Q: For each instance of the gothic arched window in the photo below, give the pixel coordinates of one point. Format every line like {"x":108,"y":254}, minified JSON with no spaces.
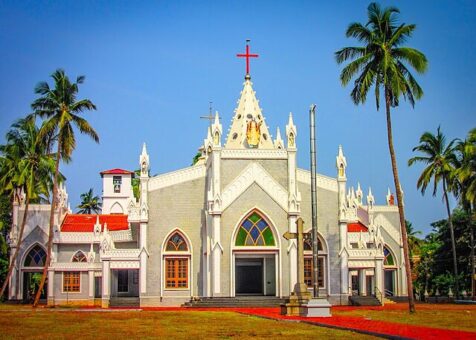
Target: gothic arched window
{"x":308,"y":264}
{"x":255,"y":231}
{"x":388,"y":258}
{"x":176,"y":265}
{"x":176,"y":242}
{"x":36,"y":257}
{"x":79,"y":257}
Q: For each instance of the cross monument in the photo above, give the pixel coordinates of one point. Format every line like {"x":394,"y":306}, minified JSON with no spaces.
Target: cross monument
{"x":247,"y":55}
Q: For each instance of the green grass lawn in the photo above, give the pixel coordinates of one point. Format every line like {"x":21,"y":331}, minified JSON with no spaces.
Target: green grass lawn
{"x":458,"y":317}
{"x":21,"y":322}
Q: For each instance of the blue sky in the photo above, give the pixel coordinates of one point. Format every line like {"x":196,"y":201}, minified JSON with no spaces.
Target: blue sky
{"x":152,"y":68}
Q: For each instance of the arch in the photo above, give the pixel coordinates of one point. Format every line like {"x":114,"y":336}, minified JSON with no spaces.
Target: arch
{"x":35,"y":257}
{"x":177,"y":261}
{"x":389,"y":257}
{"x":116,"y":208}
{"x":322,"y":244}
{"x":254,"y":230}
{"x":182,"y":235}
{"x":79,"y":257}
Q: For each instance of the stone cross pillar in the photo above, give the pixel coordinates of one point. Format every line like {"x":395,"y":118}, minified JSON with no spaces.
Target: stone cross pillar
{"x":300,"y":288}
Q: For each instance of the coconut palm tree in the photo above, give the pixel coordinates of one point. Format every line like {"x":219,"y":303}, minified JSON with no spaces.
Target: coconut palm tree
{"x":89,"y":203}
{"x":25,"y":170}
{"x":382,"y":63}
{"x":440,"y":160}
{"x":60,"y":109}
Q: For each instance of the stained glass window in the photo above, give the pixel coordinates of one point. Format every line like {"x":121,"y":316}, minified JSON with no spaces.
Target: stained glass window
{"x":176,"y":243}
{"x":388,"y":260}
{"x":79,"y":257}
{"x":254,"y":231}
{"x":36,"y":257}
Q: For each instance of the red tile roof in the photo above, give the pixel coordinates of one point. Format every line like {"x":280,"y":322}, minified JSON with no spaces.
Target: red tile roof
{"x":356,"y":227}
{"x":116,"y":172}
{"x":85,"y":223}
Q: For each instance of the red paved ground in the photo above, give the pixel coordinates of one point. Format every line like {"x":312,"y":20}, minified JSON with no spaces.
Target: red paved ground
{"x":359,"y":324}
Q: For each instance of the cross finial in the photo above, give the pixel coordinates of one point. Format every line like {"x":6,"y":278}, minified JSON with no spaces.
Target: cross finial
{"x":247,"y":55}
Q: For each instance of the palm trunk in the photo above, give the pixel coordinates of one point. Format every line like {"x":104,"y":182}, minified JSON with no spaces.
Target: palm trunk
{"x":411,"y":301}
{"x":19,"y":242}
{"x":452,"y":234}
{"x":50,"y":231}
{"x":473,"y":274}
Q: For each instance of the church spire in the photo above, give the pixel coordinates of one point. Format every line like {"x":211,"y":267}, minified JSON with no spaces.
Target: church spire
{"x":248,"y":128}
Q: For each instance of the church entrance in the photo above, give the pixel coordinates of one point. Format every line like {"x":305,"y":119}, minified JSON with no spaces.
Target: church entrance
{"x":255,"y":276}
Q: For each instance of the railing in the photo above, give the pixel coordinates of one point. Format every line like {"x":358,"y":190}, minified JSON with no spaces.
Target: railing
{"x":379,"y":295}
{"x":388,"y":292}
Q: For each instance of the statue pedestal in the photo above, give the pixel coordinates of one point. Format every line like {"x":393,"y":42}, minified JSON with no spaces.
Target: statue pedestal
{"x":301,"y":303}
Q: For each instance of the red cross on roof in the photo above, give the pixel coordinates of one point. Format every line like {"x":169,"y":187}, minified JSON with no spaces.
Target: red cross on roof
{"x":247,"y":55}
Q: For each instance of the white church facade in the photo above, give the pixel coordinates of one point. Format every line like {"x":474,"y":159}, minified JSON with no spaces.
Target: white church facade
{"x":215,"y":229}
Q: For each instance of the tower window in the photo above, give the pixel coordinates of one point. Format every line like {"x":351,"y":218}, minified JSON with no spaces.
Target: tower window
{"x":116,"y":182}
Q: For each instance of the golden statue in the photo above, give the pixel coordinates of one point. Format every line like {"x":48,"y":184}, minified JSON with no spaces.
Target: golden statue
{"x":253,"y":133}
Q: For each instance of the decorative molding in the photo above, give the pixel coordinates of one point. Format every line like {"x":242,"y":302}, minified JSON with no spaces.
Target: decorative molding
{"x":129,"y":254}
{"x":324,"y":182}
{"x":122,"y":235}
{"x":124,"y":265}
{"x":361,"y":264}
{"x":254,"y":154}
{"x":385,"y":208}
{"x":76,"y":266}
{"x":176,"y":177}
{"x":254,"y":173}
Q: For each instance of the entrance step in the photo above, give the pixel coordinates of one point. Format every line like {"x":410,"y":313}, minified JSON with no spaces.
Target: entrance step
{"x":124,"y":302}
{"x":397,"y":298}
{"x":240,"y":301}
{"x":356,"y":300}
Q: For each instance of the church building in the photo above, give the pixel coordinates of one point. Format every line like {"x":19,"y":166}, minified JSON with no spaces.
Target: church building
{"x":215,"y":229}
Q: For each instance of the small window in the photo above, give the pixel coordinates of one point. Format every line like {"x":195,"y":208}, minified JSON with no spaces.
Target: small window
{"x":116,"y":182}
{"x":79,"y":257}
{"x":122,"y":281}
{"x":176,"y":272}
{"x":308,"y":271}
{"x":176,"y":243}
{"x":354,"y":245}
{"x":370,"y":245}
{"x":239,"y":117}
{"x":235,"y":135}
{"x":265,"y":136}
{"x":71,"y":282}
{"x":249,"y":116}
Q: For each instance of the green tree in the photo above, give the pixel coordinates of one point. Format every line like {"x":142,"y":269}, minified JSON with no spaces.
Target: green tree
{"x":382,"y":64}
{"x":89,"y":203}
{"x":440,"y":161}
{"x":26,"y":168}
{"x":60,"y":109}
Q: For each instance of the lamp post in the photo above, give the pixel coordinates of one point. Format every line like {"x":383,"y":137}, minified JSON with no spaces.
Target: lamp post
{"x":315,"y":241}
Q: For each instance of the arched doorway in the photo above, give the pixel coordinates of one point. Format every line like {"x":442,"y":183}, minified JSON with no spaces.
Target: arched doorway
{"x":32,"y":269}
{"x":255,"y":256}
{"x":390,"y":272}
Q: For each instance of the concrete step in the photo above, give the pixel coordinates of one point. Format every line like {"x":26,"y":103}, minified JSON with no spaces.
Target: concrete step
{"x":124,"y":302}
{"x":364,"y":301}
{"x":245,"y":301}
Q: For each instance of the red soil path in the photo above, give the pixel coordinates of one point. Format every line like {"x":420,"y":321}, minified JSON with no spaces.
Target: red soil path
{"x":354,"y":323}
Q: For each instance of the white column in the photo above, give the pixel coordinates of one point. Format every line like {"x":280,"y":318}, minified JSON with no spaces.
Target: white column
{"x":91,"y":284}
{"x":143,"y":258}
{"x":216,"y":271}
{"x":362,"y":282}
{"x":12,"y":285}
{"x":344,"y":273}
{"x":106,"y":284}
{"x":292,"y":254}
{"x":379,"y":276}
{"x":51,"y":280}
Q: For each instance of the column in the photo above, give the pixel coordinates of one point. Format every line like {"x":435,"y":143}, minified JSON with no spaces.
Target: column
{"x":51,"y":280}
{"x":292,"y":254}
{"x":216,"y":269}
{"x":143,"y":258}
{"x":91,"y":285}
{"x":344,"y":273}
{"x":106,"y":284}
{"x":362,"y":282}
